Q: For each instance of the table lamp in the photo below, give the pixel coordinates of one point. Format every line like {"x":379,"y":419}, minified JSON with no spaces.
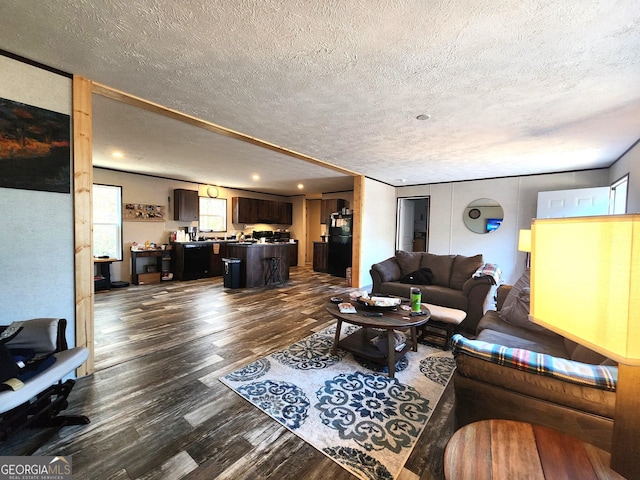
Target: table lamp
{"x":524,"y":245}
{"x":585,"y":285}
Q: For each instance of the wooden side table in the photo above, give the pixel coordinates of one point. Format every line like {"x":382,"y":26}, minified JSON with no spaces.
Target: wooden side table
{"x":504,"y":449}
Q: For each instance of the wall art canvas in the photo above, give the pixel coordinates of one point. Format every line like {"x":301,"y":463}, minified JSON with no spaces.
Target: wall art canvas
{"x":35,"y":151}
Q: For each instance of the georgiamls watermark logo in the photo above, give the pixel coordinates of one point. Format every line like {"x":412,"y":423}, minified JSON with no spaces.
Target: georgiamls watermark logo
{"x":35,"y":468}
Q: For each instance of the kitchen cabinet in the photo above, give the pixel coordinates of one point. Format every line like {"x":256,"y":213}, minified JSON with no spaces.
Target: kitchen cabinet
{"x":293,"y":254}
{"x":285,"y":213}
{"x":253,"y":210}
{"x":218,"y":252}
{"x":267,"y":211}
{"x":185,"y":205}
{"x":244,"y":210}
{"x":320,"y":256}
{"x":330,"y":206}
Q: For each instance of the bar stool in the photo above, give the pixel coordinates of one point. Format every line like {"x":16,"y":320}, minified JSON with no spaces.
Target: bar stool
{"x":274,"y":277}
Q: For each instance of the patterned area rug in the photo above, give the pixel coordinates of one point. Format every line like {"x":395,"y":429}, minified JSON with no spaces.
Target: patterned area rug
{"x":345,"y":407}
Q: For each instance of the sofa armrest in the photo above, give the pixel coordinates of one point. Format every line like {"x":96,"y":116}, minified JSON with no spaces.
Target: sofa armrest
{"x":385,"y":271}
{"x":43,"y":335}
{"x":476,"y":282}
{"x":476,"y":290}
{"x":594,"y":376}
{"x":501,"y":295}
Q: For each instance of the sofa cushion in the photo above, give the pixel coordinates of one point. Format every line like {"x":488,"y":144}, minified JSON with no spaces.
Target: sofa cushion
{"x":434,"y":294}
{"x":515,"y":309}
{"x":463,"y":269}
{"x":409,"y":261}
{"x":580,"y":353}
{"x":553,"y":347}
{"x":596,"y":376}
{"x":424,"y":276}
{"x":441,"y":266}
{"x":492,"y":320}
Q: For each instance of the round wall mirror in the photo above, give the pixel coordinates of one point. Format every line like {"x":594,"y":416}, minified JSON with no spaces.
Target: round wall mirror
{"x":483,"y":215}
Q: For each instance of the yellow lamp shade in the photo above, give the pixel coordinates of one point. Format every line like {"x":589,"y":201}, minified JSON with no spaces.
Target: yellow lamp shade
{"x":585,"y":282}
{"x":524,"y":240}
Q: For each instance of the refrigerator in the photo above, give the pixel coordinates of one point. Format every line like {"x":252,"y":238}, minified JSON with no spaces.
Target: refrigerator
{"x":340,"y":244}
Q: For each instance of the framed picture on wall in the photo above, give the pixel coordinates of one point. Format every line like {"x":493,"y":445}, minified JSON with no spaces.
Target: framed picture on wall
{"x":35,"y":151}
{"x":143,"y":212}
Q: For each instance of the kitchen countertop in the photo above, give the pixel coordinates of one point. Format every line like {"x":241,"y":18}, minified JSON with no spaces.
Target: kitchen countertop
{"x":235,"y":242}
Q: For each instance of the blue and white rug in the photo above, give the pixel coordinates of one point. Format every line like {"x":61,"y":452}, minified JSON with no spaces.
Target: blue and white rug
{"x":350,"y":411}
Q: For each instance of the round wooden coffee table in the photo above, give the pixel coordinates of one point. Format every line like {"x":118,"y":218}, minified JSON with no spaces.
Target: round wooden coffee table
{"x":359,"y":342}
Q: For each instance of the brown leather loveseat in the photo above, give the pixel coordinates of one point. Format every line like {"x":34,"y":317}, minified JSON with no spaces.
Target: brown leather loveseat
{"x":452,"y":284}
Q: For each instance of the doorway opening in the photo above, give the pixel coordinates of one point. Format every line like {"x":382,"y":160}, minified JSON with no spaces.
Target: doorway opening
{"x":412,"y":224}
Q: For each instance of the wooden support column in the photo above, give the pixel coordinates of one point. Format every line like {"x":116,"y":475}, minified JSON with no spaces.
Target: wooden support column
{"x":82,"y":195}
{"x":358,"y":202}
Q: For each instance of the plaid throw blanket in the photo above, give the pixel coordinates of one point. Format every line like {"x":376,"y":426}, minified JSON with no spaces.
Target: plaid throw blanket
{"x":597,"y":376}
{"x":489,"y":270}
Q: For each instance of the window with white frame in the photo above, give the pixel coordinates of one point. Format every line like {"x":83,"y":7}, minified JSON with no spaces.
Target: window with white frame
{"x":107,"y":221}
{"x":213,"y":214}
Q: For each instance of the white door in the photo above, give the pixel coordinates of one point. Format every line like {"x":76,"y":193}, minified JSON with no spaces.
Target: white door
{"x":406,"y":214}
{"x":579,"y":202}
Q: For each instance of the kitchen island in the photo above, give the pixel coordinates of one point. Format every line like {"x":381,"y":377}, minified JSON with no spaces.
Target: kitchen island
{"x":255,"y":260}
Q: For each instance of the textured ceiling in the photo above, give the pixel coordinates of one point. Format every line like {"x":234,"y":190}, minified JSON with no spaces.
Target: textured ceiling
{"x":513,"y":87}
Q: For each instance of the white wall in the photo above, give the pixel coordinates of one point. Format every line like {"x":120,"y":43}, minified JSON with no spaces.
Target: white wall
{"x":158,"y":191}
{"x":629,"y":164}
{"x":518,"y":198}
{"x":378,"y":227}
{"x":37,"y":260}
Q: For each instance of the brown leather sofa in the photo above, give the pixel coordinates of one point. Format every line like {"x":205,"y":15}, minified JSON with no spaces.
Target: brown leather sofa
{"x":452,"y":285}
{"x":487,"y":390}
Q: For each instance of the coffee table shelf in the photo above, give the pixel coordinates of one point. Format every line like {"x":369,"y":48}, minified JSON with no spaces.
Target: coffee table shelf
{"x":359,"y":342}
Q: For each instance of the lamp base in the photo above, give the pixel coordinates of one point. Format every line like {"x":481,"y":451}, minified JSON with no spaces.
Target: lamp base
{"x":626,"y":424}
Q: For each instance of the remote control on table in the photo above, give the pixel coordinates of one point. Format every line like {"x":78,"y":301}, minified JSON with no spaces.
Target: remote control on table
{"x":373,"y":314}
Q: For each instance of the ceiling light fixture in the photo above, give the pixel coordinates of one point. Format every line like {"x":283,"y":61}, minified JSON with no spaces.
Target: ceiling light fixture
{"x":117,"y":154}
{"x":256,"y":177}
{"x":423,"y":116}
{"x":300,"y":186}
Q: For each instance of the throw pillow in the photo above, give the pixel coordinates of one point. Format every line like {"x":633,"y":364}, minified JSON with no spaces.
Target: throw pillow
{"x":409,"y":261}
{"x":424,"y":276}
{"x":440,"y":265}
{"x":463,"y":269}
{"x":515,"y":309}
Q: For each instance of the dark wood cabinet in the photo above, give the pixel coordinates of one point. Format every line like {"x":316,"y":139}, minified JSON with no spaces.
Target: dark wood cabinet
{"x":252,"y":210}
{"x":285,"y":213}
{"x":218,"y":252}
{"x":185,"y":205}
{"x":293,"y":254}
{"x":330,"y":206}
{"x":267,"y":211}
{"x":244,"y":210}
{"x":320,"y":256}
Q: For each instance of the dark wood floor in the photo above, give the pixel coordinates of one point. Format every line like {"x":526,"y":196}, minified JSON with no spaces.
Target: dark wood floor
{"x":157,"y":408}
